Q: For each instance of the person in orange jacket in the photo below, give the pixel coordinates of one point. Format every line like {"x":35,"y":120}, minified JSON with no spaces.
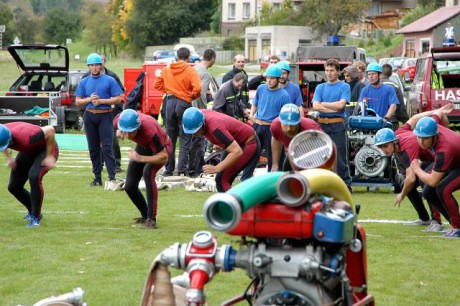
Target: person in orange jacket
{"x":181,"y":84}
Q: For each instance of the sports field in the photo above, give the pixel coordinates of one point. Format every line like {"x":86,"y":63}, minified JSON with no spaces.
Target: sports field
{"x":86,"y":240}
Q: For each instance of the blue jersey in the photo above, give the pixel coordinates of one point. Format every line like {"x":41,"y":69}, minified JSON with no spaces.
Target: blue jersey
{"x":294,"y":93}
{"x":269,"y":102}
{"x":104,"y":86}
{"x":332,"y":92}
{"x":379,"y":99}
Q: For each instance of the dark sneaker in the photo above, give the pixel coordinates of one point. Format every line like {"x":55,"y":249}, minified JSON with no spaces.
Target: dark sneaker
{"x":27,"y":217}
{"x":118,"y":170}
{"x":150,"y":223}
{"x":140,"y":220}
{"x":95,"y":183}
{"x":33,"y":222}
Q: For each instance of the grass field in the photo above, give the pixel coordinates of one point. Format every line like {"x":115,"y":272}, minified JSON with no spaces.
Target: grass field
{"x":86,"y":240}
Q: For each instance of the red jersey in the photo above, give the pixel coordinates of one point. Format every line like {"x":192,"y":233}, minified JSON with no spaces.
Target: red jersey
{"x":221,"y":129}
{"x":409,"y":148}
{"x":27,"y":138}
{"x":446,"y":149}
{"x":305,"y":124}
{"x":150,"y":133}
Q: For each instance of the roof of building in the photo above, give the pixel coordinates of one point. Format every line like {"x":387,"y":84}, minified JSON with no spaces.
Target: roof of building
{"x":431,"y":20}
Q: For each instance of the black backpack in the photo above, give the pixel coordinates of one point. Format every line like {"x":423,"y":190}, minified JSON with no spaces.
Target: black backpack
{"x":134,"y":97}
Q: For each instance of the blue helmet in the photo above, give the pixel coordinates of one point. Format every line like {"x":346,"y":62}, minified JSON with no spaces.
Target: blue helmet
{"x":426,"y":127}
{"x":290,"y":114}
{"x":273,"y":71}
{"x":374,"y":67}
{"x":5,"y":137}
{"x":129,"y":121}
{"x":94,"y":59}
{"x":192,"y":120}
{"x":384,"y":136}
{"x":284,"y":65}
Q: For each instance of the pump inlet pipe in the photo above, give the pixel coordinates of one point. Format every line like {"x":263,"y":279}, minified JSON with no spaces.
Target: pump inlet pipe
{"x":295,"y":188}
{"x":222,"y":211}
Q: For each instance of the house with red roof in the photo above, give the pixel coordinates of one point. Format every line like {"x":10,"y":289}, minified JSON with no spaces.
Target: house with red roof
{"x":431,"y":31}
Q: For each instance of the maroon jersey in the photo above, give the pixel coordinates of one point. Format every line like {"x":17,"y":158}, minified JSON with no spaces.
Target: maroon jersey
{"x":27,"y":138}
{"x":150,"y":133}
{"x":221,"y":129}
{"x":446,"y":149}
{"x":305,"y":124}
{"x":409,"y":148}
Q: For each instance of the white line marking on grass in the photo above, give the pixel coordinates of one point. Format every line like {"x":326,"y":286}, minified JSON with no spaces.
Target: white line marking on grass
{"x":190,"y":216}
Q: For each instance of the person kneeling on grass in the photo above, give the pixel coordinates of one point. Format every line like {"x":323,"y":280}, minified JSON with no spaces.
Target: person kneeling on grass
{"x":238,"y":139}
{"x":151,"y":153}
{"x":37,"y":154}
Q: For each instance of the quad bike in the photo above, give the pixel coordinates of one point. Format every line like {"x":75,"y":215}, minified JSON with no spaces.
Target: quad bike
{"x":301,"y":243}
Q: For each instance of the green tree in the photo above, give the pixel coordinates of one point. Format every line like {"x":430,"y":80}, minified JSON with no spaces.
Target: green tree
{"x":41,"y":7}
{"x":102,"y":30}
{"x":330,"y":16}
{"x":165,"y":21}
{"x":61,"y":24}
{"x":418,"y":12}
{"x":7,"y":19}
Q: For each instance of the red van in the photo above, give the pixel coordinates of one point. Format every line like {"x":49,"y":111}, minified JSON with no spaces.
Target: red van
{"x":436,"y":82}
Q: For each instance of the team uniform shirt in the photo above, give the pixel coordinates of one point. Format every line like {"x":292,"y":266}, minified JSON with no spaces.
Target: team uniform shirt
{"x":150,"y":134}
{"x":294,"y":93}
{"x":222,"y":130}
{"x":332,"y":92}
{"x":305,"y":124}
{"x":379,"y":99}
{"x":26,"y":138}
{"x":409,"y":148}
{"x":269,"y":102}
{"x":446,"y":150}
{"x":103,"y":85}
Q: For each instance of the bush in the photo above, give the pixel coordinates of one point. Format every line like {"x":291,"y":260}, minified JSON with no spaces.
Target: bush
{"x":233,"y":43}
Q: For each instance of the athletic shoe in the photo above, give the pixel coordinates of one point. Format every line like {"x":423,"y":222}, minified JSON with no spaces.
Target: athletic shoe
{"x":453,"y":233}
{"x":150,"y":223}
{"x":140,"y":220}
{"x":34,"y":222}
{"x":434,"y":227}
{"x":27,"y":217}
{"x":417,"y":223}
{"x":95,"y":183}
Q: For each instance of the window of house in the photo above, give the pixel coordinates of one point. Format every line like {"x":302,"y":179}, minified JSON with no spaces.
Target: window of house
{"x":410,"y":48}
{"x":424,"y":45}
{"x":231,"y":10}
{"x":246,"y":10}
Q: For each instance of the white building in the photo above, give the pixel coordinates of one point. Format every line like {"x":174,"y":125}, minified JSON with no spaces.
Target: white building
{"x":278,"y":40}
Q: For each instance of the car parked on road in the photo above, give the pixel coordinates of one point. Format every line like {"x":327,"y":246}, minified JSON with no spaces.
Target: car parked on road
{"x":395,"y":62}
{"x":407,"y":69}
{"x":167,"y":56}
{"x":46,"y":70}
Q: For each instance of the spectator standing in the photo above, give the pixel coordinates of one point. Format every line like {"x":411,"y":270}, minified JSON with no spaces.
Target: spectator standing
{"x":151,"y":153}
{"x":37,"y":154}
{"x":228,"y":98}
{"x":240,"y":142}
{"x":260,"y":79}
{"x":444,"y":178}
{"x":401,"y":111}
{"x":403,"y":145}
{"x":238,"y":66}
{"x":181,"y":84}
{"x":117,"y":109}
{"x":380,"y":97}
{"x":98,"y":93}
{"x":292,"y":89}
{"x":289,"y":123}
{"x":351,"y":76}
{"x":196,"y":159}
{"x":330,"y":99}
{"x":267,"y":104}
{"x":361,"y":71}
